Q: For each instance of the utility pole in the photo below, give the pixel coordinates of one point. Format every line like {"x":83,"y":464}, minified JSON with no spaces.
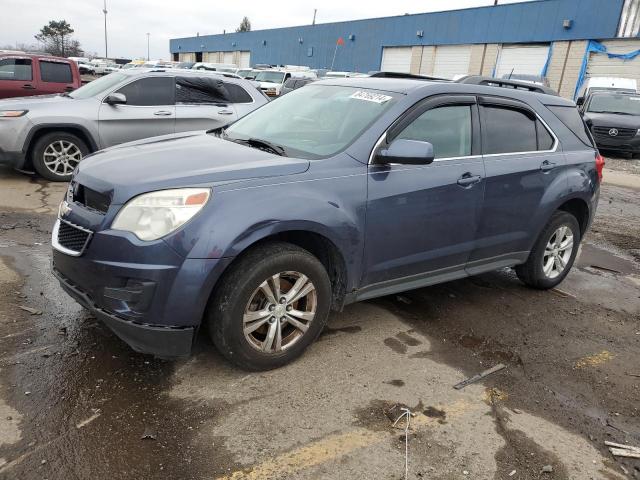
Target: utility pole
{"x":148,"y":34}
{"x":106,"y":49}
{"x":315,"y":10}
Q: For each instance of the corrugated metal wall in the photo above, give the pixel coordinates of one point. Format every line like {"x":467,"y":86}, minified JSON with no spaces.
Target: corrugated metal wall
{"x":313,"y":45}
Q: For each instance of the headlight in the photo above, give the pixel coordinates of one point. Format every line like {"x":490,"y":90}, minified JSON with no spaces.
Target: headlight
{"x":12,"y":113}
{"x":153,"y":215}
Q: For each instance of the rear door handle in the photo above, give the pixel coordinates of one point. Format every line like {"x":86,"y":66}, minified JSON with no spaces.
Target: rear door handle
{"x":467,"y":179}
{"x":28,"y":87}
{"x":547,"y":166}
{"x":162,"y":113}
{"x":225,"y":112}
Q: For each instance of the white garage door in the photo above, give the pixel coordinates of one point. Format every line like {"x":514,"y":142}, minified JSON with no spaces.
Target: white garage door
{"x":396,"y":59}
{"x":600,"y":65}
{"x":452,"y":60}
{"x":228,"y":57}
{"x":522,"y":59}
{"x":245,"y":60}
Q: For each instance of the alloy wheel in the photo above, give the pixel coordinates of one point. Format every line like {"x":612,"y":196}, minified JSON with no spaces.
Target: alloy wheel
{"x":558,"y":251}
{"x":279,"y":312}
{"x":62,"y":157}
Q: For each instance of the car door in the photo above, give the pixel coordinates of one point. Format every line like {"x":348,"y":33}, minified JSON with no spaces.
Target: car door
{"x":202,"y":103}
{"x":149,"y":111}
{"x":522,"y":160}
{"x":55,"y":76}
{"x":17,"y":77}
{"x":421,"y":219}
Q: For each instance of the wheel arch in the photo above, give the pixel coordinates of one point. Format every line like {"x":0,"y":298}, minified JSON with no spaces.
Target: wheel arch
{"x":40,"y":130}
{"x":579,"y":208}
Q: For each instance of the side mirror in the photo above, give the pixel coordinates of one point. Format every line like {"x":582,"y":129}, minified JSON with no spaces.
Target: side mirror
{"x":115,"y":99}
{"x":408,"y":152}
{"x":580,"y":101}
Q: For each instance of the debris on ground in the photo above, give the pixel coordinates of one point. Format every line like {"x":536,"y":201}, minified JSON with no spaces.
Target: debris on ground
{"x":84,"y":423}
{"x":621,"y":450}
{"x":562,"y":293}
{"x":512,"y":473}
{"x":149,"y":434}
{"x":32,"y":311}
{"x":547,"y":469}
{"x":394,"y":412}
{"x":594,"y":360}
{"x":403,"y":299}
{"x":605,"y":269}
{"x":479,"y":376}
{"x":634,"y":374}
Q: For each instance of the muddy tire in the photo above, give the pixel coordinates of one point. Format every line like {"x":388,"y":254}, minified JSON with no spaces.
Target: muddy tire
{"x":55,"y":155}
{"x":270,"y":306}
{"x":553,"y":254}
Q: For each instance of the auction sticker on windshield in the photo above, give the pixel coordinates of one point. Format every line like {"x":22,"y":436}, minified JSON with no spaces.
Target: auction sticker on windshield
{"x":371,"y":97}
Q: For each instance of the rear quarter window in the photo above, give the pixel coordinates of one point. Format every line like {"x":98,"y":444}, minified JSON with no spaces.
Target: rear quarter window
{"x":574,"y":122}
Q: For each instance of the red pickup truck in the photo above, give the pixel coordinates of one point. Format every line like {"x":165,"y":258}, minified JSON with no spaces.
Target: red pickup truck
{"x":24,"y":74}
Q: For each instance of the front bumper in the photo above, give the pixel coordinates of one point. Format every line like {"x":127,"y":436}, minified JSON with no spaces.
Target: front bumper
{"x":628,"y":145}
{"x":12,"y":159}
{"x":155,"y":340}
{"x":151,"y":297}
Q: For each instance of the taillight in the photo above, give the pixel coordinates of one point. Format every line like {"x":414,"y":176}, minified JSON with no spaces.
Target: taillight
{"x":599,"y":165}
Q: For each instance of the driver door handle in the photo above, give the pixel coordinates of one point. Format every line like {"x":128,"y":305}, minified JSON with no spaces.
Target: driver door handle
{"x":162,"y":113}
{"x":467,"y":180}
{"x":28,"y":87}
{"x":547,"y":166}
{"x":225,"y":112}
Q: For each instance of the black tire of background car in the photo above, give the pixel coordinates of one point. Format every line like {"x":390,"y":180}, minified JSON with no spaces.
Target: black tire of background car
{"x":530,"y":272}
{"x":41,"y":144}
{"x":227,"y":305}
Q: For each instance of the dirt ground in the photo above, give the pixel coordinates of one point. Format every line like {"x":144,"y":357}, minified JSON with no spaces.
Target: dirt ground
{"x":77,"y":403}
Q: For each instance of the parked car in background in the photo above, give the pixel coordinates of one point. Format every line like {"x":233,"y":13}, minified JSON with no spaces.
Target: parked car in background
{"x":615,"y":84}
{"x":216,"y":67}
{"x":614,"y":120}
{"x":341,"y":191}
{"x":53,"y":134}
{"x":332,"y":74}
{"x":86,"y":68}
{"x":248,"y":73}
{"x":185,"y":65}
{"x":79,"y":59}
{"x":271,"y":81}
{"x":24,"y":75}
{"x":294,"y":83}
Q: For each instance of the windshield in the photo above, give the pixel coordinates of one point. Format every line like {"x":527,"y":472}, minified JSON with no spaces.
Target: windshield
{"x":624,"y":104}
{"x":271,"y":77}
{"x":315,"y":121}
{"x":98,"y":86}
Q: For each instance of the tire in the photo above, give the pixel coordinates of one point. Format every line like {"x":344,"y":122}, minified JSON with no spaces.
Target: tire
{"x":50,"y":148}
{"x":532,"y":272}
{"x":240,"y":299}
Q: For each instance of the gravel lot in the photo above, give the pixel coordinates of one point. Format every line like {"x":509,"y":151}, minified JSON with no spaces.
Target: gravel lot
{"x":76,"y":403}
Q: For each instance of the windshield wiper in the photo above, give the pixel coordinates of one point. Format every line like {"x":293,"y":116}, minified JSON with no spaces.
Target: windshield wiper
{"x":262,"y":145}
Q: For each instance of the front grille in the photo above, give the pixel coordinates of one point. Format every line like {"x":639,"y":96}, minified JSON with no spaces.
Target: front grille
{"x":89,"y":198}
{"x":623,"y":133}
{"x":72,"y":237}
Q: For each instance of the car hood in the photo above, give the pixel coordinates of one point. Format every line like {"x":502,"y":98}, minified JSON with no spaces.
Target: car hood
{"x":174,"y":161}
{"x":613,"y":120}
{"x":22,"y":103}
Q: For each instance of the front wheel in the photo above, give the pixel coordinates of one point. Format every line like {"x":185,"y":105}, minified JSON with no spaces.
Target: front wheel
{"x":553,"y":254}
{"x":271,"y":305}
{"x":57,"y":154}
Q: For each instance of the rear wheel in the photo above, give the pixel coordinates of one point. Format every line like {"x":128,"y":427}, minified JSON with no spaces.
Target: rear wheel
{"x":271,"y":305}
{"x":553,"y":254}
{"x":57,"y":154}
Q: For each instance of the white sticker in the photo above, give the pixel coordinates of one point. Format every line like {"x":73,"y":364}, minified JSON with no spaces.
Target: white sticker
{"x":371,"y":97}
{"x":635,"y":99}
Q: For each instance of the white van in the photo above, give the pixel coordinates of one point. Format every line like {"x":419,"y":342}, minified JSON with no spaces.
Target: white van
{"x":271,"y":81}
{"x":617,"y":84}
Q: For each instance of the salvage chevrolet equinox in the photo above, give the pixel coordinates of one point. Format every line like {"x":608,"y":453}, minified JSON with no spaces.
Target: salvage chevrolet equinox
{"x":341,"y":191}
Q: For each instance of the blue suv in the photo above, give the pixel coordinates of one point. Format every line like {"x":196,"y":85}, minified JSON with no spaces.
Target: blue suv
{"x":341,"y":191}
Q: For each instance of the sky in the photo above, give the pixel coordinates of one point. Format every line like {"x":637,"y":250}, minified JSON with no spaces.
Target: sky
{"x":128,"y":21}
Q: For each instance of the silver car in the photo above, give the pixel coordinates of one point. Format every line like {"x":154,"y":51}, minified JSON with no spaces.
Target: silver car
{"x":51,"y":134}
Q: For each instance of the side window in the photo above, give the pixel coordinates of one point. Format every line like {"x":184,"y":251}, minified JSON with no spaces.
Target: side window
{"x":508,"y":130}
{"x":149,"y":92}
{"x":201,"y":90}
{"x":448,"y":129}
{"x":16,"y":69}
{"x":545,"y":140}
{"x":237,"y":94}
{"x":55,"y":72}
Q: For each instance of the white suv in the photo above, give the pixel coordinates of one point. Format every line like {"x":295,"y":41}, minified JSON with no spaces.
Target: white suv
{"x":271,"y":81}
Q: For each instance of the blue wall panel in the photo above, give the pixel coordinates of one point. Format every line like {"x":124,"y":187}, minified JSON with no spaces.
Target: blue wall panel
{"x":536,"y":21}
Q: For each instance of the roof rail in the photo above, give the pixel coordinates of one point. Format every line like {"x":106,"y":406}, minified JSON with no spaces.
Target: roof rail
{"x":505,"y":83}
{"x":407,"y":75}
